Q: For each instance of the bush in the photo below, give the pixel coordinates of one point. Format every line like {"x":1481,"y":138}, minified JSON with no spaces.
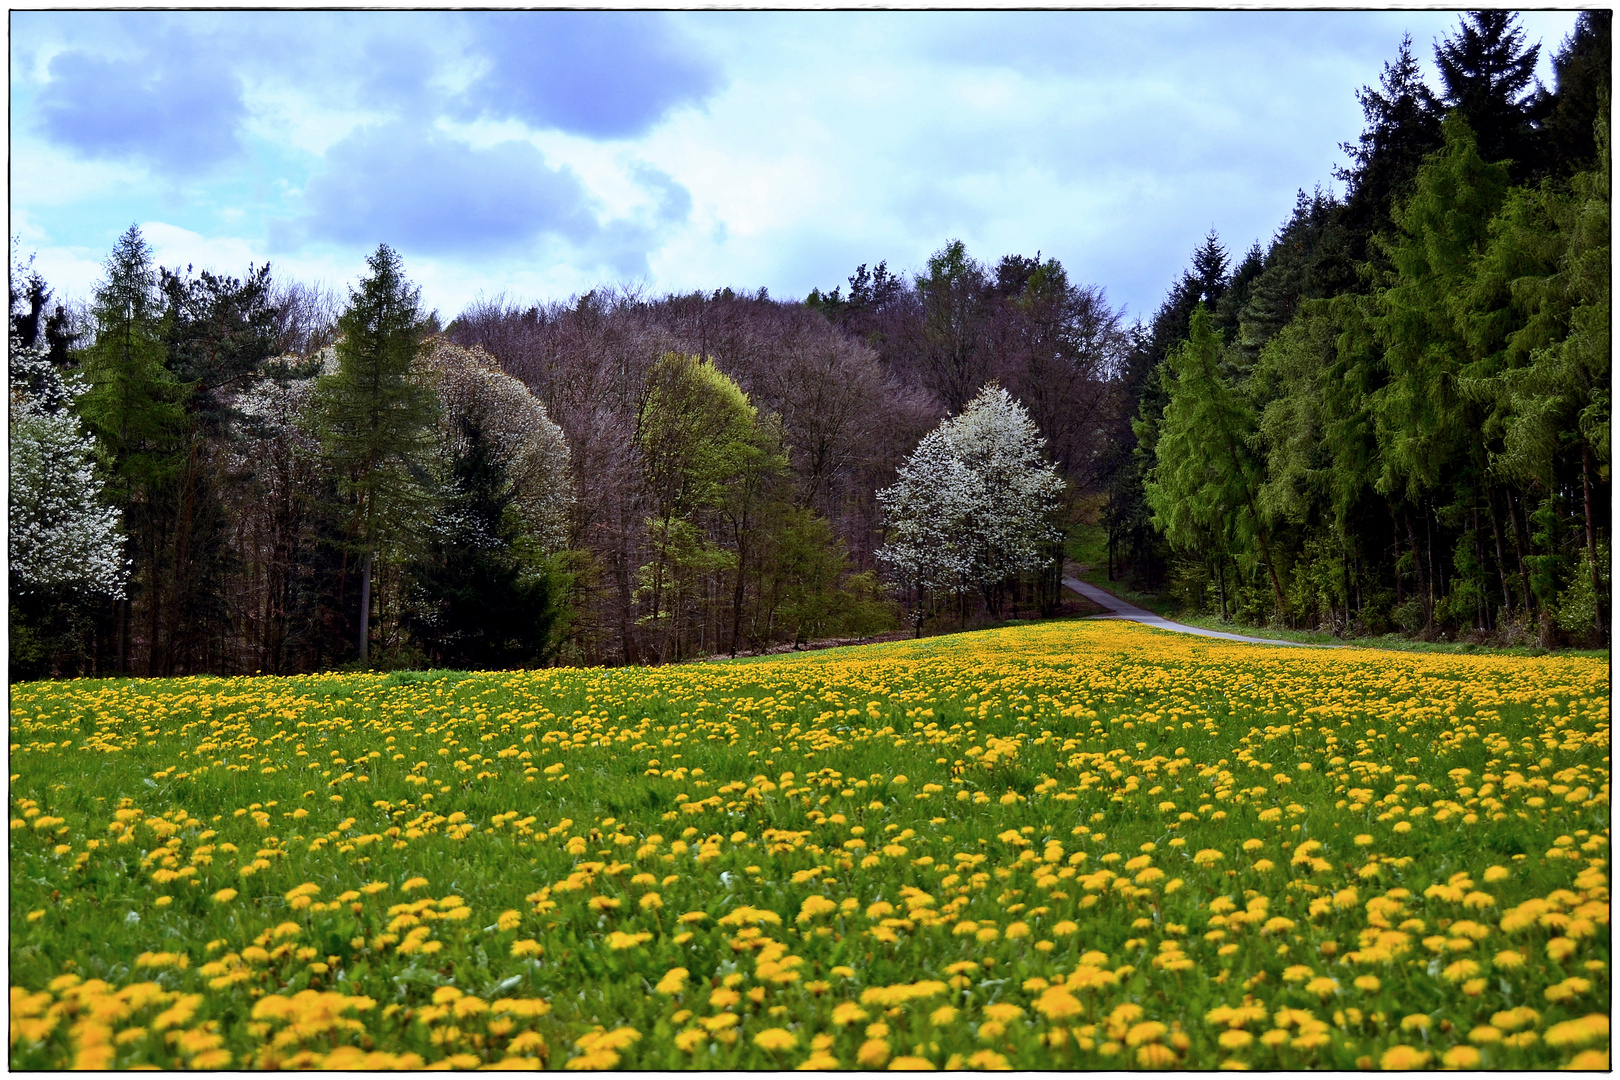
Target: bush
{"x":1409,"y":615}
{"x":1576,"y":611}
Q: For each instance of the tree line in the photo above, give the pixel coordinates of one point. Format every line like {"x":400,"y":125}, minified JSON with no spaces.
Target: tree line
{"x":224,"y":474}
{"x":1396,"y":416}
{"x":273,"y":479}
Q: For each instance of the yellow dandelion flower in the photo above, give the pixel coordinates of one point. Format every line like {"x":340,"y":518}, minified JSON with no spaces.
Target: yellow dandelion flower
{"x":1461,"y":1057}
{"x":776,"y":1039}
{"x":910,"y":1063}
{"x":873,"y":1053}
{"x":1401,"y":1057}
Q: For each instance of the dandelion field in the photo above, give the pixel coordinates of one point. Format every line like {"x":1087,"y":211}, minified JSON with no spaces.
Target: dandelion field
{"x":1072,"y":845}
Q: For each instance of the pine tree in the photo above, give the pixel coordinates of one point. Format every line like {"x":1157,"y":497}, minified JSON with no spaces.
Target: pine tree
{"x":1302,"y":264}
{"x":1488,"y":75}
{"x":1424,"y":427}
{"x":375,"y":421}
{"x":133,"y":406}
{"x":1402,"y":128}
{"x":1558,"y":403}
{"x":1568,"y":114}
{"x":1204,"y":482}
{"x":472,"y":601}
{"x":132,"y":400}
{"x":219,"y":332}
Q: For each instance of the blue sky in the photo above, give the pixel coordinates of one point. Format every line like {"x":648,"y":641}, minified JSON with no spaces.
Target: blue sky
{"x":540,"y":154}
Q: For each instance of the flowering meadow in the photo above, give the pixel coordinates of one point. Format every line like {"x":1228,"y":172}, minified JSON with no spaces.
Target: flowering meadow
{"x":1072,"y":845}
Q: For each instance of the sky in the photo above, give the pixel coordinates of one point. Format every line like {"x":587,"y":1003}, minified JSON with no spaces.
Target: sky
{"x":537,"y":155}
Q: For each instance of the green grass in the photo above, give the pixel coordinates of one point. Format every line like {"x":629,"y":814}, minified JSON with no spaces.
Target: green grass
{"x":977,"y":817}
{"x":1397,"y":642}
{"x":1088,"y":545}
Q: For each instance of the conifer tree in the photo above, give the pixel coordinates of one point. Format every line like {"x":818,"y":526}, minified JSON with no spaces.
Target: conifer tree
{"x":133,"y":407}
{"x":1569,"y":113}
{"x":473,"y":603}
{"x":375,"y":421}
{"x":1402,"y":127}
{"x":1205,"y":479}
{"x":1423,"y":425}
{"x":1488,"y":72}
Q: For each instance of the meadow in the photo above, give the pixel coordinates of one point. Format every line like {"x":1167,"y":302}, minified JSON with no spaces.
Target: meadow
{"x":1069,"y":845}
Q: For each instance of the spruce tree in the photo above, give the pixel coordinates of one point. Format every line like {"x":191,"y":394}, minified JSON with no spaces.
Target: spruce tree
{"x":1402,"y":127}
{"x":375,"y":421}
{"x":1205,"y":479}
{"x":1425,"y":427}
{"x":1567,"y":115}
{"x":1488,"y":74}
{"x":472,"y":602}
{"x":133,"y":407}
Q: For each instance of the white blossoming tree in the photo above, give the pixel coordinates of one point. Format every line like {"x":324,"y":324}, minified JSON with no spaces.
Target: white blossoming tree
{"x":527,"y":442}
{"x":65,"y":544}
{"x":974,"y":504}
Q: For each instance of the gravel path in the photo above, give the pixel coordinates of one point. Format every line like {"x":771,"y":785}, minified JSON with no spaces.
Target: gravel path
{"x":1120,"y":609}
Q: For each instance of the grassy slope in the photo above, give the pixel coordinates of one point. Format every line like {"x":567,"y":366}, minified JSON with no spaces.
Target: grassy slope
{"x":1058,"y":764}
{"x":1088,"y":545}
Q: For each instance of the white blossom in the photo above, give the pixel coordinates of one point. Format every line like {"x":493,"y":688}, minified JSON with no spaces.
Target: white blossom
{"x":973,"y":504}
{"x":63,"y":537}
{"x":532,"y":448}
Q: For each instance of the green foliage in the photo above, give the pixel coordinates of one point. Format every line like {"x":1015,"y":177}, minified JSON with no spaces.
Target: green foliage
{"x":1429,"y":445}
{"x":1577,"y":609}
{"x":1423,"y":419}
{"x":702,"y":451}
{"x":807,"y":588}
{"x":695,"y":430}
{"x":473,"y":603}
{"x":374,"y":420}
{"x":1562,"y":393}
{"x":132,"y":401}
{"x":1197,"y":488}
{"x":1202,"y":487}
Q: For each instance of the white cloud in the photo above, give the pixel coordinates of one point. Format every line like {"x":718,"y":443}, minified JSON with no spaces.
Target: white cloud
{"x":1112,"y":141}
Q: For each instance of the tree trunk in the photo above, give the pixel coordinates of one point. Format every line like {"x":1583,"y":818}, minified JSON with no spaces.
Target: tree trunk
{"x":1361,"y":605}
{"x":182,"y":559}
{"x":1265,"y":552}
{"x":1437,"y":585}
{"x":1599,"y":612}
{"x":1501,"y":556}
{"x":1345,"y":555}
{"x":1521,"y":541}
{"x":1220,"y":580}
{"x":740,"y":534}
{"x":365,"y":609}
{"x":1417,"y":562}
{"x":154,"y":575}
{"x":737,"y":603}
{"x":1400,"y":584}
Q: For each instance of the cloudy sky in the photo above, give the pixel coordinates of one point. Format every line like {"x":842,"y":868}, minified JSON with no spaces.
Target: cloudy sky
{"x":540,"y":154}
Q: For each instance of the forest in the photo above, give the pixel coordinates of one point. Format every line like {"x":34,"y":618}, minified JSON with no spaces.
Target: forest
{"x":1393,"y":416}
